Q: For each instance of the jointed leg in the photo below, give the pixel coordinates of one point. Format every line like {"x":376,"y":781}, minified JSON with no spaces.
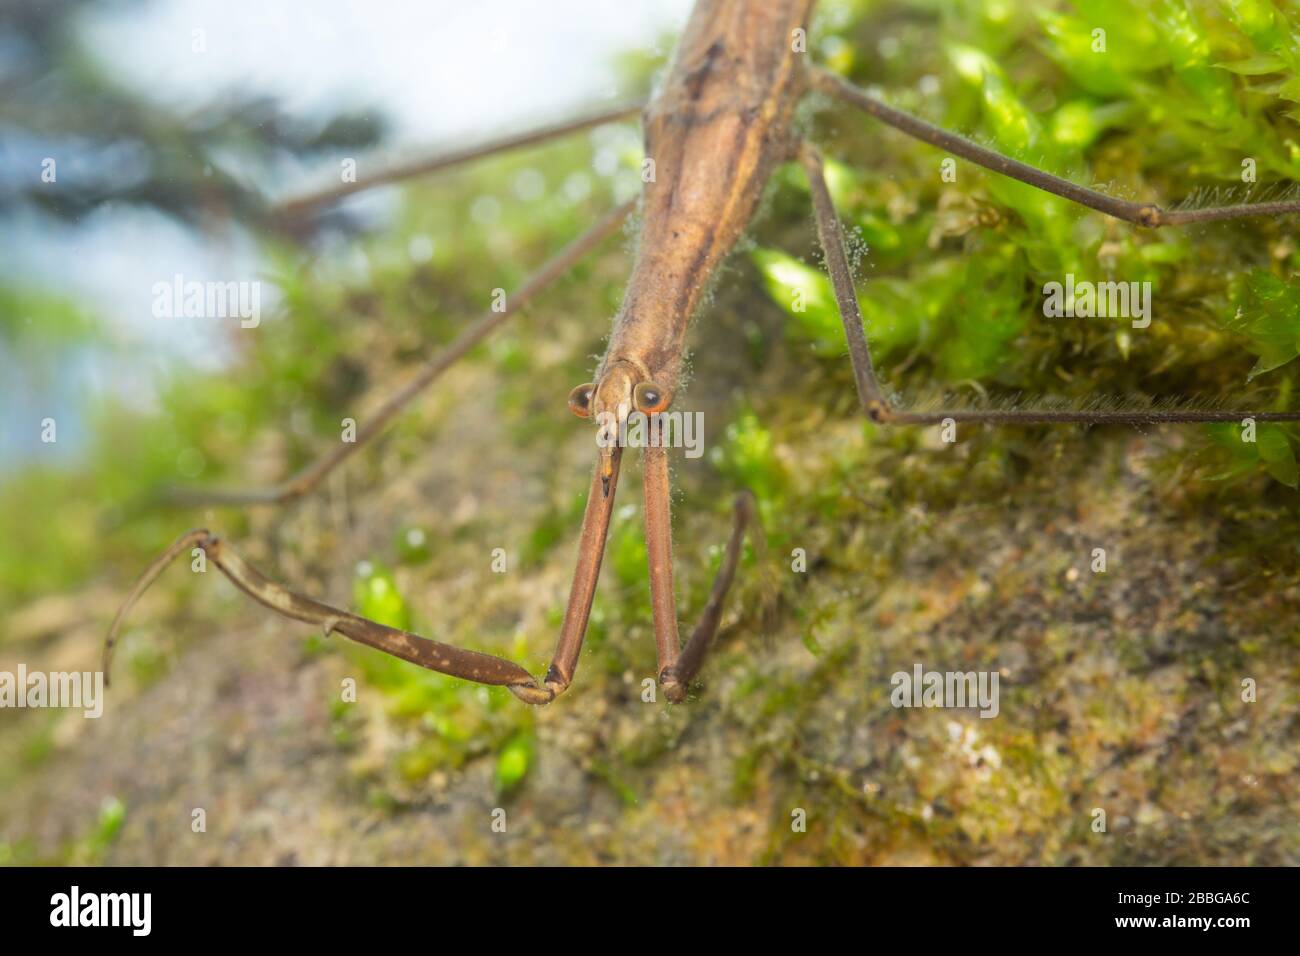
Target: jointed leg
{"x":469,"y":665}
{"x":688,"y":665}
{"x":1032,"y":416}
{"x":1144,"y":214}
{"x":591,"y":552}
{"x":303,"y":205}
{"x":456,"y":661}
{"x":473,"y":334}
{"x":678,"y":665}
{"x":659,"y":556}
{"x":878,"y":408}
{"x":874,"y":404}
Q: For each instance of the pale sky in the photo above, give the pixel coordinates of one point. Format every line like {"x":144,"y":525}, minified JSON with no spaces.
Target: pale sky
{"x":441,"y":68}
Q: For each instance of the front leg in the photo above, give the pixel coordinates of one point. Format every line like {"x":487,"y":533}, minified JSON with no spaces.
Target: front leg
{"x":678,"y":665}
{"x":434,"y":655}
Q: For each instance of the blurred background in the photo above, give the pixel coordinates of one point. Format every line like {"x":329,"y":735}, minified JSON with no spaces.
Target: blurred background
{"x":176,"y":123}
{"x":142,"y":140}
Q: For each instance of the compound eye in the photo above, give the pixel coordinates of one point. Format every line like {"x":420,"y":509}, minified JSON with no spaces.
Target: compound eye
{"x":649,"y":398}
{"x":580,"y":399}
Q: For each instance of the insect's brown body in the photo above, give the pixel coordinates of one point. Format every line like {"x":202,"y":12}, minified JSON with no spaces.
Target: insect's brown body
{"x":715,"y":132}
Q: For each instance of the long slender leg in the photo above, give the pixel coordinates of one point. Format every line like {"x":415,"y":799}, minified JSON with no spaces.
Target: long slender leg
{"x":878,"y":409}
{"x":444,"y":658}
{"x":871,"y":398}
{"x":458,"y":662}
{"x":299,"y":206}
{"x":659,"y":556}
{"x":677,"y":669}
{"x":1144,"y":214}
{"x":1031,"y":416}
{"x":307,"y":479}
{"x":591,"y":551}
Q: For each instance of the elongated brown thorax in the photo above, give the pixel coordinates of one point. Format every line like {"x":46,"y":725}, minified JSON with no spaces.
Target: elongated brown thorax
{"x":715,"y":132}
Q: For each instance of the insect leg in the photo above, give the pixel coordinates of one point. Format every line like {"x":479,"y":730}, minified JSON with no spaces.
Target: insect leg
{"x":1144,"y":214}
{"x":877,"y":408}
{"x":458,"y":662}
{"x":873,"y":402}
{"x":300,"y":206}
{"x":307,"y":479}
{"x":678,"y":668}
{"x":591,"y":552}
{"x":1031,"y":416}
{"x":434,"y":655}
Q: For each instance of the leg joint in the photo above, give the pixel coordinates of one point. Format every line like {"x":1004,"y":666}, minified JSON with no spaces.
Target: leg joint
{"x":533,"y":693}
{"x":1150,"y":216}
{"x":674,"y":688}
